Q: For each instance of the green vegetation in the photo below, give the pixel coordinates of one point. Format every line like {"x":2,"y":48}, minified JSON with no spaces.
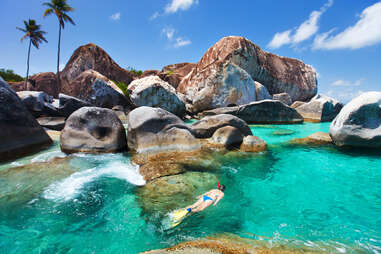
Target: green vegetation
{"x":60,"y":8}
{"x":170,"y":72}
{"x":122,"y":86}
{"x":35,"y":35}
{"x":136,"y":72}
{"x":10,"y":76}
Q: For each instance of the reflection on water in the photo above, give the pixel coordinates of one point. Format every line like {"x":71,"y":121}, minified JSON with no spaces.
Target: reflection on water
{"x":325,"y":198}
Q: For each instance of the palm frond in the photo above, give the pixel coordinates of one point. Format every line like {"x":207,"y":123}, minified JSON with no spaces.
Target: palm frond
{"x":48,"y":12}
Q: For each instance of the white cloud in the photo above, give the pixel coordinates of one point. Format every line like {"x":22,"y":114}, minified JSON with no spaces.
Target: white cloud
{"x":176,"y":5}
{"x":341,"y":82}
{"x":305,"y":31}
{"x":181,"y":42}
{"x":115,"y":16}
{"x":154,"y":16}
{"x":168,"y":32}
{"x":344,"y":95}
{"x":366,"y":32}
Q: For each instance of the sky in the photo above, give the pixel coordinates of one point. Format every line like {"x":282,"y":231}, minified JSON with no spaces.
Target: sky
{"x":341,"y":39}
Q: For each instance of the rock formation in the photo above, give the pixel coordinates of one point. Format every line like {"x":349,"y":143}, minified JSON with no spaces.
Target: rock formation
{"x":153,"y":92}
{"x":283,"y":97}
{"x":315,"y":139}
{"x":359,"y":122}
{"x":44,"y":81}
{"x":261,"y":112}
{"x":174,"y":73}
{"x":242,"y":58}
{"x":20,"y":133}
{"x":253,"y":144}
{"x":93,"y":130}
{"x":38,"y":103}
{"x":261,"y":92}
{"x":68,"y":104}
{"x":321,"y":108}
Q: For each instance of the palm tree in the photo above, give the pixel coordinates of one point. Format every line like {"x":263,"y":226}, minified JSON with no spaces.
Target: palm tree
{"x":36,"y":36}
{"x":60,"y":8}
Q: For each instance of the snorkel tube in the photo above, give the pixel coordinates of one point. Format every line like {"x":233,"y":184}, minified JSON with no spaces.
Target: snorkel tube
{"x":218,"y":184}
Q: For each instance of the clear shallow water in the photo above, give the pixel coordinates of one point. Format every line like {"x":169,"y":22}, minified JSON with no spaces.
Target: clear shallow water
{"x":321,"y":197}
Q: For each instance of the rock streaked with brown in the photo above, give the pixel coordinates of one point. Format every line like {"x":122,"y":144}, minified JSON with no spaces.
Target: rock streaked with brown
{"x":278,"y":74}
{"x":91,"y":56}
{"x":44,"y":81}
{"x":174,"y":73}
{"x":283,"y":97}
{"x":253,"y":144}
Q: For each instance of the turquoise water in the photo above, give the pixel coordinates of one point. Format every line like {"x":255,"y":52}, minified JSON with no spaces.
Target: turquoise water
{"x":323,"y":197}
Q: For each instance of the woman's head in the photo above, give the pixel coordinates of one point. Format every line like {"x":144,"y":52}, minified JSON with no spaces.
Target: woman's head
{"x":221,"y":187}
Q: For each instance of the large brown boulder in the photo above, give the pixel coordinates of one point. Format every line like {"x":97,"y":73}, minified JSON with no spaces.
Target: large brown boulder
{"x":93,"y":130}
{"x":174,"y":73}
{"x":20,"y":132}
{"x":154,"y":92}
{"x":277,"y":74}
{"x":93,"y":57}
{"x":44,"y":81}
{"x":261,"y":112}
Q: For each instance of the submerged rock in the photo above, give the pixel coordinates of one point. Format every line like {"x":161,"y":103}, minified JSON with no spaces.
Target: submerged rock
{"x":283,"y":97}
{"x":20,"y":132}
{"x":205,"y":127}
{"x":359,"y":122}
{"x":38,"y":103}
{"x":261,"y":112}
{"x":153,"y":92}
{"x":93,"y":130}
{"x":318,"y":138}
{"x":321,"y":108}
{"x":156,"y":130}
{"x":221,"y":77}
{"x":164,"y":194}
{"x":253,"y":144}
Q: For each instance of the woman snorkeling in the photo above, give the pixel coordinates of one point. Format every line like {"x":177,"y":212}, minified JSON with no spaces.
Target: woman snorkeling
{"x":208,"y":198}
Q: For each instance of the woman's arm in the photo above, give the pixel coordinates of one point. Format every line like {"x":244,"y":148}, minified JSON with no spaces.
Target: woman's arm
{"x":218,"y":199}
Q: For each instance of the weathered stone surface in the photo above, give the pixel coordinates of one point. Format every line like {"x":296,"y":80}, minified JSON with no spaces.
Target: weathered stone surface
{"x":68,"y":104}
{"x":221,"y":85}
{"x":44,"y":81}
{"x":359,"y":122}
{"x":253,"y":144}
{"x":321,"y":108}
{"x":38,"y":103}
{"x":174,"y":73}
{"x":261,"y":92}
{"x":164,"y":194}
{"x":148,"y":73}
{"x":277,"y":74}
{"x":93,"y":130}
{"x":20,"y":132}
{"x":261,"y":112}
{"x":317,"y":138}
{"x":154,"y":129}
{"x":153,"y":92}
{"x":227,"y":137}
{"x":88,"y":57}
{"x":283,"y":97}
{"x":206,"y":127}
{"x":52,"y":123}
{"x":297,"y":104}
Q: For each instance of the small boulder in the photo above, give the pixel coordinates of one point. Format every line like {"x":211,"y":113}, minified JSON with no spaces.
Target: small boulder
{"x":38,"y":103}
{"x":227,"y":137}
{"x":20,"y":132}
{"x":359,"y":122}
{"x":93,"y":130}
{"x":261,"y":112}
{"x":153,"y":92}
{"x":253,"y":144}
{"x":107,"y":95}
{"x":156,"y":130}
{"x":206,"y":127}
{"x":318,"y":138}
{"x":321,"y":108}
{"x":68,"y":104}
{"x":261,"y":92}
{"x":52,"y":123}
{"x":283,"y":97}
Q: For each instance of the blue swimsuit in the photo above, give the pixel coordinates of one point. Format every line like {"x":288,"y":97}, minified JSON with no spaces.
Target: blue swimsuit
{"x":205,"y":198}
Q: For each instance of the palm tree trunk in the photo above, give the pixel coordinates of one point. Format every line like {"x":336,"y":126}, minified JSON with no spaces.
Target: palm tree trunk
{"x":27,"y":64}
{"x":58,"y":56}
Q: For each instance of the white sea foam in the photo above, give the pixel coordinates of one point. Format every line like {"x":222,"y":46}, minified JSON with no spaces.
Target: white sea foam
{"x":70,"y":187}
{"x":48,"y":156}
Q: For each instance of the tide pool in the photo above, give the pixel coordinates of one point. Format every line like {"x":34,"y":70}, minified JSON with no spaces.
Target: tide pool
{"x":321,"y":197}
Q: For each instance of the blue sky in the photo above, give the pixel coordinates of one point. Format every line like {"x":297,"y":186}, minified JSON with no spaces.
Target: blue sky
{"x":341,"y":39}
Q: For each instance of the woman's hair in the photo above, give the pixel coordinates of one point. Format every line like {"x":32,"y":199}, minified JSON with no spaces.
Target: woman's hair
{"x":221,"y":187}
